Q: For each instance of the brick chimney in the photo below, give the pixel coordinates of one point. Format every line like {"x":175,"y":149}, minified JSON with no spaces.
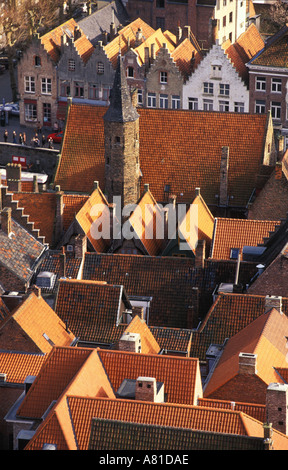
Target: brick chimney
{"x":13,"y":177}
{"x":139,"y":37}
{"x":80,"y":246}
{"x":276,"y":406}
{"x":200,"y":253}
{"x":6,"y":220}
{"x":273,"y":301}
{"x":62,"y":259}
{"x":130,"y":342}
{"x":35,"y":184}
{"x":247,"y":363}
{"x":59,"y":214}
{"x":224,"y":165}
{"x":278,"y":171}
{"x":146,"y":390}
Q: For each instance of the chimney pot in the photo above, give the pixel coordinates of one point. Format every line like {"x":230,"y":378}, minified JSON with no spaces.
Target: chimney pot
{"x":273,"y":301}
{"x":6,"y":220}
{"x":247,"y":363}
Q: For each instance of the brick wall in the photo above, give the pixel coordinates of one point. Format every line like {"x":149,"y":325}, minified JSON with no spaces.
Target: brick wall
{"x":245,"y":388}
{"x":12,"y":337}
{"x":8,"y":396}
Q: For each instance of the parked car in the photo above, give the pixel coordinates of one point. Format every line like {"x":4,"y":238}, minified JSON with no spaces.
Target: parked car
{"x":15,"y":109}
{"x":56,"y":137}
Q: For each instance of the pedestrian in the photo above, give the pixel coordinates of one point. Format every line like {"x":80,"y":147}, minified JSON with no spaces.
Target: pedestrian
{"x":14,"y":137}
{"x":36,"y":141}
{"x":24,"y":138}
{"x":50,"y":143}
{"x":20,"y":139}
{"x":5,"y":135}
{"x":43,"y":140}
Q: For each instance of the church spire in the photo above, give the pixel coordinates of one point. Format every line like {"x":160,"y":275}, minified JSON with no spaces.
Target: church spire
{"x":121,"y":108}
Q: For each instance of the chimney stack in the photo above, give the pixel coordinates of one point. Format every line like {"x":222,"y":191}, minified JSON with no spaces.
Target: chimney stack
{"x":179,"y":35}
{"x":80,"y":246}
{"x":278,"y":171}
{"x":146,"y":390}
{"x":13,"y":177}
{"x":6,"y":225}
{"x":247,"y":363}
{"x":59,"y":214}
{"x":35,"y":184}
{"x":224,"y":165}
{"x":63,"y":263}
{"x":200,"y":253}
{"x":276,"y":406}
{"x":213,"y":31}
{"x":273,"y":301}
{"x":280,"y":147}
{"x":130,"y":342}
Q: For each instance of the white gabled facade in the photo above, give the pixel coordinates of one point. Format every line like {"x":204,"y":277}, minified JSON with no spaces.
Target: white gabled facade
{"x":216,"y":85}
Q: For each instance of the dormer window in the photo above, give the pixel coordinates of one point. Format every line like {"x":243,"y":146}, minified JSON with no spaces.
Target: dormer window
{"x":37,"y":61}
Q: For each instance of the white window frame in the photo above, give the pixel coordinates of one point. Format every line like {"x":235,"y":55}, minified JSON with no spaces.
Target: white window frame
{"x":78,"y":89}
{"x":224,"y":106}
{"x":260,"y":84}
{"x":260,"y":107}
{"x":239,"y":107}
{"x":163,"y":101}
{"x":276,"y":110}
{"x":71,"y":65}
{"x":140,"y":96}
{"x":208,"y":88}
{"x":29,"y":82}
{"x":224,"y":89}
{"x":46,"y":86}
{"x":193,"y":104}
{"x":208,"y":105}
{"x":276,"y":85}
{"x":151,"y":100}
{"x":30,"y":111}
{"x":176,"y":102}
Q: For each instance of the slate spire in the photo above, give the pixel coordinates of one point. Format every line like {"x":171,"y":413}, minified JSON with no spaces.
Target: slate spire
{"x":121,"y":108}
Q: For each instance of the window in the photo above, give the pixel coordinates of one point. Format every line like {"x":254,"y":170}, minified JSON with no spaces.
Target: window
{"x":224,"y":21}
{"x":163,"y":101}
{"x":46,"y":113}
{"x":175,"y":102}
{"x":224,"y":106}
{"x":208,"y":88}
{"x":79,"y":90}
{"x":234,"y":252}
{"x":151,"y":100}
{"x":29,"y":84}
{"x":260,"y":106}
{"x":130,"y":72}
{"x":276,"y":85}
{"x":65,"y":88}
{"x":140,"y":96}
{"x":224,"y":89}
{"x":216,"y":71}
{"x":105,"y":93}
{"x":208,"y":105}
{"x":193,"y":104}
{"x":30,"y":112}
{"x":37,"y":61}
{"x":71,"y":64}
{"x":238,"y":107}
{"x":163,"y":77}
{"x":260,"y":83}
{"x":46,"y":86}
{"x":100,"y":68}
{"x":230,"y":17}
{"x":93,"y":91}
{"x":160,"y":3}
{"x":276,"y":110}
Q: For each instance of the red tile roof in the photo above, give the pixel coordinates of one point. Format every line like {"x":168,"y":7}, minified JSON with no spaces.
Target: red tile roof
{"x":18,"y":365}
{"x":183,"y":162}
{"x":237,"y":233}
{"x":149,"y":344}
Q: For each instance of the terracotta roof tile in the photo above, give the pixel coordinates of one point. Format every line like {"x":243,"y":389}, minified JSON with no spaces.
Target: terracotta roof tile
{"x":158,"y":39}
{"x":275,"y":52}
{"x":52,"y":40}
{"x":96,"y":207}
{"x":180,"y":163}
{"x":264,"y":337}
{"x":237,"y":233}
{"x":149,"y":344}
{"x":183,"y":54}
{"x":120,"y":365}
{"x":39,"y":322}
{"x":256,"y":411}
{"x":18,"y":365}
{"x":41,"y":209}
{"x":91,"y":308}
{"x":72,"y":204}
{"x":62,"y":369}
{"x":229,"y":314}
